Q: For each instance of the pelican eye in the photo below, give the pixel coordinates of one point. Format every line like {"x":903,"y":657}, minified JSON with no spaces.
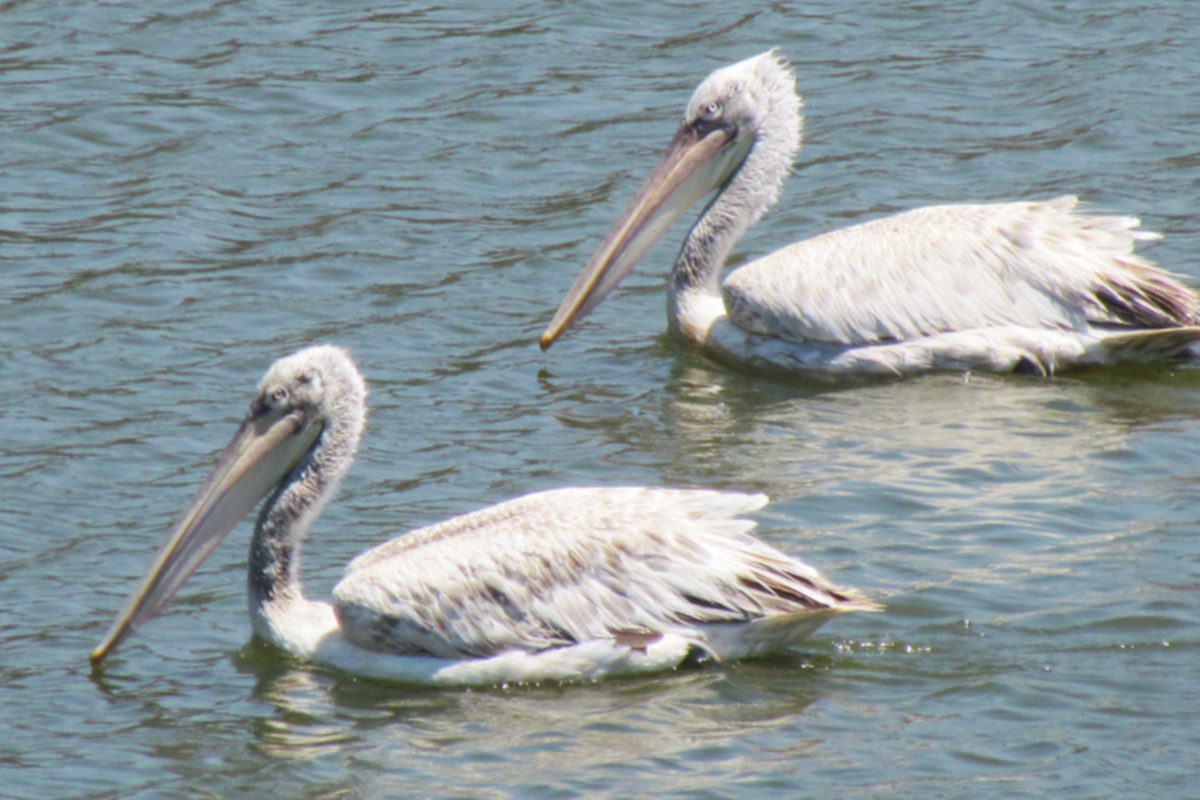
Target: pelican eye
{"x":278,"y":395}
{"x":712,"y":111}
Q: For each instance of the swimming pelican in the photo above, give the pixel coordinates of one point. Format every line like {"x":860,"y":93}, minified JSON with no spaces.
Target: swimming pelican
{"x":572,"y":583}
{"x":1029,"y":286}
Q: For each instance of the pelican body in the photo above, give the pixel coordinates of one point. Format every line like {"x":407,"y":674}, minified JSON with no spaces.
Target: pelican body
{"x":565,"y":584}
{"x":1028,"y":286}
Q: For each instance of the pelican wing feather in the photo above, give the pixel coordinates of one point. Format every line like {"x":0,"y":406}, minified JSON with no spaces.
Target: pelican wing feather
{"x":557,"y":568}
{"x":1038,"y":265}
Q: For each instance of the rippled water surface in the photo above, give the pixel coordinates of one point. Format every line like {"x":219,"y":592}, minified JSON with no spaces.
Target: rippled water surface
{"x":190,"y":190}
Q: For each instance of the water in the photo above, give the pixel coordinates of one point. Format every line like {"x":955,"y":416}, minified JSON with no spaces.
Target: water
{"x":190,"y":190}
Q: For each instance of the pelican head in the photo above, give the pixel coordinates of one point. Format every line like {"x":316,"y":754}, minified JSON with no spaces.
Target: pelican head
{"x":307,"y":404}
{"x":743,"y":110}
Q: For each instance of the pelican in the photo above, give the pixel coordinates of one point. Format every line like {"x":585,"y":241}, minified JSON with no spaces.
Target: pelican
{"x":558,"y":585}
{"x":1029,"y":287}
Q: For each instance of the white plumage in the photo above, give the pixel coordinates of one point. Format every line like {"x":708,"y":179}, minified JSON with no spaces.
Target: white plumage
{"x":1027,"y":286}
{"x":572,"y":583}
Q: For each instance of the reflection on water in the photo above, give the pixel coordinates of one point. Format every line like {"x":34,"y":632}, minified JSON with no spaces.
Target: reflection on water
{"x":538,"y":736}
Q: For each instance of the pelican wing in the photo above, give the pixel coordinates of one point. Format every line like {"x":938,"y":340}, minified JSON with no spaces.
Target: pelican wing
{"x":958,"y":267}
{"x":572,"y":565}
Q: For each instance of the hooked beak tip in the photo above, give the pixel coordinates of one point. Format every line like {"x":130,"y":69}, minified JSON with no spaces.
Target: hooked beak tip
{"x":545,"y":341}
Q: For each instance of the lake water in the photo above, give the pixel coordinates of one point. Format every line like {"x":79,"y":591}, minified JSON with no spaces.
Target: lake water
{"x":189,"y":190}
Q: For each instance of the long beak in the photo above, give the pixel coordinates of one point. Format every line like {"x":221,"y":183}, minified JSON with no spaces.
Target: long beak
{"x":693,"y":165}
{"x":261,"y":453}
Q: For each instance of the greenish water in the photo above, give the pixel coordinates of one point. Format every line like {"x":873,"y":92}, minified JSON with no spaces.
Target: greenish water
{"x":190,"y":190}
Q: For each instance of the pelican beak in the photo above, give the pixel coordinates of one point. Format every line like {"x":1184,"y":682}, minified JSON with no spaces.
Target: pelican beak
{"x":696,"y":162}
{"x":266,"y":447}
